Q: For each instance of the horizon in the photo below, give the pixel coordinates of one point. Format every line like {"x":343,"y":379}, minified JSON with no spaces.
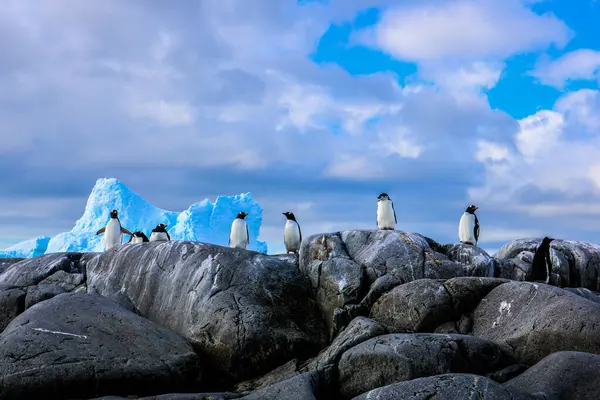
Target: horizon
{"x":314,"y":107}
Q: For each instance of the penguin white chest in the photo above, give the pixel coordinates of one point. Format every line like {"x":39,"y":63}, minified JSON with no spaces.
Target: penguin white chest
{"x":112,"y":234}
{"x":385,"y":215}
{"x":239,"y":234}
{"x":136,"y":240}
{"x":158,"y":237}
{"x":291,"y":236}
{"x":466,"y":228}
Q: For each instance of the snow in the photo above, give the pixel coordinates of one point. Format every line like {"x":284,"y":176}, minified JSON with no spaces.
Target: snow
{"x":202,"y":222}
{"x":27,"y":249}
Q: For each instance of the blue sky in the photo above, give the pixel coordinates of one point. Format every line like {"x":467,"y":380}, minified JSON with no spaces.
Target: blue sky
{"x":312,"y":106}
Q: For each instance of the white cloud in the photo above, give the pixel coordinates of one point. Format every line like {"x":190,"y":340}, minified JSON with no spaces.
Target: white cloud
{"x":466,"y":29}
{"x":168,"y":114}
{"x":496,"y":234}
{"x":554,"y":152}
{"x":581,"y":64}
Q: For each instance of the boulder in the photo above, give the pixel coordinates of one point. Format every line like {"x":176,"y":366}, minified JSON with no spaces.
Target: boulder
{"x":350,"y":270}
{"x":536,"y":320}
{"x":444,"y":387}
{"x":564,"y":375}
{"x":585,"y":293}
{"x":80,"y":345}
{"x":7,"y":262}
{"x":245,"y":312}
{"x":306,"y":386}
{"x":12,"y":303}
{"x":575,"y":264}
{"x":41,"y":292}
{"x":467,"y":292}
{"x":66,"y":280}
{"x":32,"y":271}
{"x":417,"y":306}
{"x":394,"y":358}
{"x":476,"y":260}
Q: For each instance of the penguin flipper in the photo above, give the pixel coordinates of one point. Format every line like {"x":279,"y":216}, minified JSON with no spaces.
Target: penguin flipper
{"x":101,"y":231}
{"x":125,"y":231}
{"x":394,"y":210}
{"x":476,"y":229}
{"x":168,"y":236}
{"x":247,"y":235}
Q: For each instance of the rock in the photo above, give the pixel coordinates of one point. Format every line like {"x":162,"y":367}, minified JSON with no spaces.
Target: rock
{"x":401,"y":357}
{"x":564,"y":375}
{"x":246,"y":313}
{"x":358,"y":331}
{"x":41,"y":292}
{"x":585,"y":293}
{"x":507,"y":373}
{"x":12,"y":303}
{"x":417,"y":306}
{"x":467,"y":292}
{"x":66,"y":280}
{"x":80,"y":345}
{"x":476,"y":260}
{"x":179,"y":396}
{"x":444,"y":387}
{"x":7,"y":262}
{"x":350,"y":270}
{"x":514,"y":269}
{"x":536,"y":320}
{"x":306,"y":386}
{"x":32,"y":271}
{"x":576,"y":264}
{"x":336,"y":280}
{"x":279,"y":374}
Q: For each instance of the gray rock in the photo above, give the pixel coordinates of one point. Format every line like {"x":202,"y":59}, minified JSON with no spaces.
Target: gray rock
{"x":417,"y":306}
{"x":12,"y":303}
{"x":536,"y":320}
{"x":467,"y":292}
{"x":335,"y":279}
{"x":476,"y":260}
{"x":504,"y":374}
{"x":358,"y":331}
{"x":81,"y":345}
{"x":401,"y":357}
{"x":306,"y":386}
{"x":585,"y":293}
{"x":279,"y":374}
{"x":41,"y":292}
{"x":7,"y":262}
{"x":565,"y":375}
{"x":444,"y":387}
{"x":514,"y":269}
{"x":32,"y":271}
{"x":66,"y":280}
{"x":179,"y":396}
{"x":576,"y":264}
{"x":245,"y":312}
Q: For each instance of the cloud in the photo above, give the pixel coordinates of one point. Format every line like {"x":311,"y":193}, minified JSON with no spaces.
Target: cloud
{"x":581,"y":64}
{"x":551,"y":162}
{"x":465,"y":29}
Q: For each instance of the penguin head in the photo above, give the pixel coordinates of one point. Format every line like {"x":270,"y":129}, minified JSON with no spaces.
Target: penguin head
{"x":546,"y":241}
{"x":383,"y":196}
{"x":160,"y":228}
{"x":471,"y":209}
{"x":114,"y":214}
{"x":290,"y":215}
{"x":137,"y":234}
{"x":242,"y":215}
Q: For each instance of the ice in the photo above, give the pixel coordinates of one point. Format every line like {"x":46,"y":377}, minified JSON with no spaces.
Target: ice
{"x":203,"y":221}
{"x":27,"y":249}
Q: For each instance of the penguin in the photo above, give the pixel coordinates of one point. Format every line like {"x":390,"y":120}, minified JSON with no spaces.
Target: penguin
{"x":239,"y":237}
{"x":160,"y":234}
{"x":292,"y":234}
{"x":541,"y":267}
{"x":113,"y":232}
{"x":468,"y":227}
{"x":138,"y":237}
{"x":386,"y":215}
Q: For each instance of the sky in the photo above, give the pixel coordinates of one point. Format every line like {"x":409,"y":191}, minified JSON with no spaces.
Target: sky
{"x":314,"y":107}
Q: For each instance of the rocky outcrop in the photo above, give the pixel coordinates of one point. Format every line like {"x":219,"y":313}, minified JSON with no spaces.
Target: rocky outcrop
{"x":80,"y":345}
{"x":244,"y":312}
{"x":444,"y":387}
{"x":536,"y":320}
{"x":400,"y":357}
{"x":575,"y":264}
{"x":359,"y":313}
{"x":564,"y":375}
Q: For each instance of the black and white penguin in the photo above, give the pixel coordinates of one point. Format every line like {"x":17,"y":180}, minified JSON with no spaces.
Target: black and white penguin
{"x":160,"y":234}
{"x":138,"y":237}
{"x":468,"y":227}
{"x":292,"y":235}
{"x":239,"y":236}
{"x":386,"y":215}
{"x":113,"y":231}
{"x":541,"y":267}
